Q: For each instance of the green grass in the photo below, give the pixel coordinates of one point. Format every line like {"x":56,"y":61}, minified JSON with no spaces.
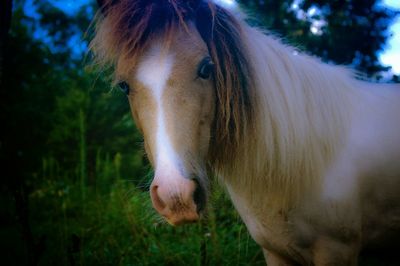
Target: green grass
{"x":112,"y":222}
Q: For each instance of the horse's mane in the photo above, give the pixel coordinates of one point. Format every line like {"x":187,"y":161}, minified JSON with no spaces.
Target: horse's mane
{"x":125,"y":28}
{"x":303,"y":111}
{"x":280,"y":117}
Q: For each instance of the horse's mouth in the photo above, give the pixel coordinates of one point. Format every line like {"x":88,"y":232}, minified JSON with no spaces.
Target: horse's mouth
{"x":186,"y":214}
{"x":189,"y":219}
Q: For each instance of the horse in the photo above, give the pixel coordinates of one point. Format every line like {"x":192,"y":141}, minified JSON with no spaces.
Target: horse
{"x":308,"y":152}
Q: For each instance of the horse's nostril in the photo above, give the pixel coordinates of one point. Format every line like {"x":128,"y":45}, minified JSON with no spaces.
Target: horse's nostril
{"x":158,"y":203}
{"x":175,"y":200}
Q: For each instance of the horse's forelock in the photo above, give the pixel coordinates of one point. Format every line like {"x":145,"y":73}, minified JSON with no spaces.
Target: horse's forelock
{"x":223,"y":35}
{"x":131,"y":25}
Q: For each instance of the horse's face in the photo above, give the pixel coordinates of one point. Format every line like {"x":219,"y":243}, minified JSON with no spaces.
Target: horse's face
{"x":172,"y":101}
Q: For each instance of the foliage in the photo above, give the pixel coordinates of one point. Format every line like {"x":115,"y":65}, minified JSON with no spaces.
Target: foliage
{"x":345,"y":32}
{"x":114,"y":225}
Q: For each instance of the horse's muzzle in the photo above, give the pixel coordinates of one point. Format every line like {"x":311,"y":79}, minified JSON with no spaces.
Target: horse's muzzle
{"x":174,"y":198}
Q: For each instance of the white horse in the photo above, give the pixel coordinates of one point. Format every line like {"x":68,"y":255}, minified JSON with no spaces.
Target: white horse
{"x":309,"y":155}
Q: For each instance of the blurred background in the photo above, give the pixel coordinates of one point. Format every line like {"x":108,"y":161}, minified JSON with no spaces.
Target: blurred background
{"x":74,"y":176}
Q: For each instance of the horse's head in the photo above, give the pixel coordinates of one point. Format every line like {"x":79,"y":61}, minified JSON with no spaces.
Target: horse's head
{"x":181,"y":64}
{"x":172,"y":101}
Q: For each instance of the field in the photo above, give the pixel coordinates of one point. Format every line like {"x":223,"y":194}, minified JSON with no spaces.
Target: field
{"x":113,"y":223}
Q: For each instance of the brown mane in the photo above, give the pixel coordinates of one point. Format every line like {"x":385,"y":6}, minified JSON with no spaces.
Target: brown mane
{"x":126,"y":28}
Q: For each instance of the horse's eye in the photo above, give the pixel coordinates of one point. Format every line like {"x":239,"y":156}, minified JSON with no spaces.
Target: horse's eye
{"x":124,"y":87}
{"x":206,"y":68}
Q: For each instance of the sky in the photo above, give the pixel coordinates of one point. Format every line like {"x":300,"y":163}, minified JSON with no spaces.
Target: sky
{"x":390,"y":56}
{"x":69,"y":6}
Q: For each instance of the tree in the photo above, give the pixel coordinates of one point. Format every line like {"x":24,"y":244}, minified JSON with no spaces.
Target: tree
{"x":52,"y":104}
{"x":5,"y":21}
{"x":348,"y":32}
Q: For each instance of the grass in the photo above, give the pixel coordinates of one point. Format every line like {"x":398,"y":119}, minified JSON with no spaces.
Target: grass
{"x":112,"y":222}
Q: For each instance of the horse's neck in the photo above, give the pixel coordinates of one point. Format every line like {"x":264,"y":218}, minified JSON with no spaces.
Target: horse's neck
{"x":302,"y":118}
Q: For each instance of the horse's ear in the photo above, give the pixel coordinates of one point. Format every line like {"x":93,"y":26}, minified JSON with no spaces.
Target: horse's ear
{"x":104,"y":5}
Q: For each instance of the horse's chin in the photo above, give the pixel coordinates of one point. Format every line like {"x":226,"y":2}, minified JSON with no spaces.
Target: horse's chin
{"x":194,"y":209}
{"x":185,"y":218}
